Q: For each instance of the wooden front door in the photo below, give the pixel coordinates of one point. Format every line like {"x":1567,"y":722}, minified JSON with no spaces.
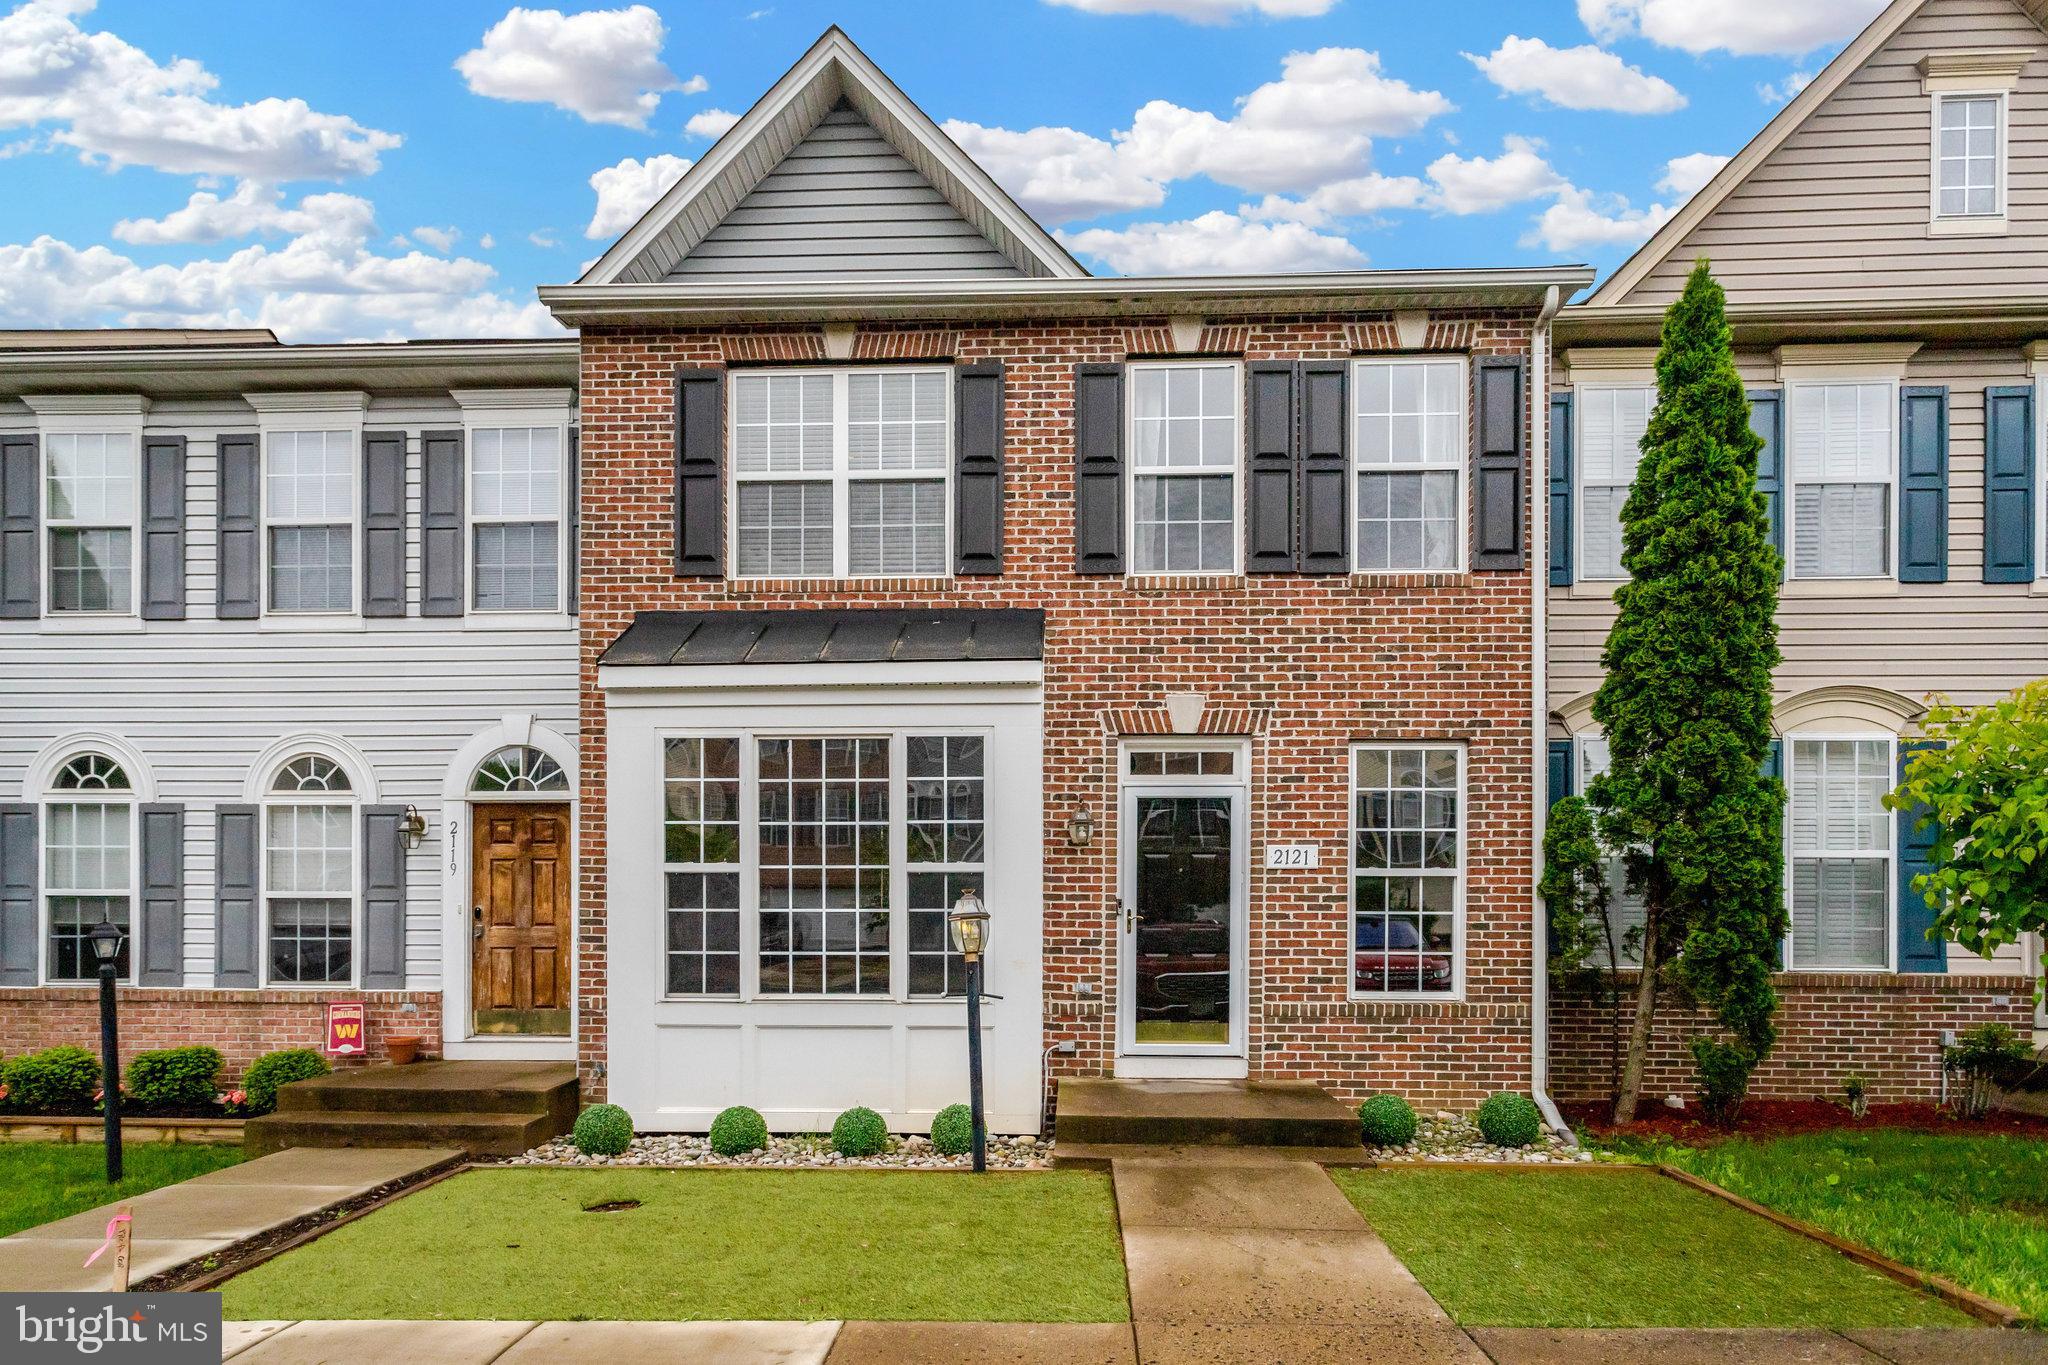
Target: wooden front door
{"x":520,"y":871}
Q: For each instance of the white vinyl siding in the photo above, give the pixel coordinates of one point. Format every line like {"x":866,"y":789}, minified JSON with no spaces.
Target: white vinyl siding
{"x":1841,"y":869}
{"x":1410,"y":438}
{"x":90,"y":506}
{"x":309,"y":499}
{"x":1969,"y":156}
{"x":1184,"y":457}
{"x":1407,"y":870}
{"x":515,"y":510}
{"x":1843,"y":450}
{"x":1610,"y":424}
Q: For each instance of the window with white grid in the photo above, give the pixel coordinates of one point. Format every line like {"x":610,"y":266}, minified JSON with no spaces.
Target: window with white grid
{"x":1407,"y":863}
{"x":309,"y":511}
{"x":1625,"y":913}
{"x":1409,"y":443}
{"x":945,"y":849}
{"x":309,"y":874}
{"x":1968,"y":156}
{"x":841,"y":473}
{"x":701,"y":864}
{"x":1184,"y":457}
{"x":90,"y":506}
{"x":88,"y":867}
{"x":824,"y":876}
{"x":1609,"y":423}
{"x":1841,"y":853}
{"x":515,"y":518}
{"x":1843,"y":448}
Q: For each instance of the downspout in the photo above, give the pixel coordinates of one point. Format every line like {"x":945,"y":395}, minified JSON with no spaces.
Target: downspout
{"x":1539,"y":708}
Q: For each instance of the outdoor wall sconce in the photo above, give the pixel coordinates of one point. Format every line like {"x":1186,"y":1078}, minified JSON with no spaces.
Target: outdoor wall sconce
{"x":1080,"y":828}
{"x":413,"y":827}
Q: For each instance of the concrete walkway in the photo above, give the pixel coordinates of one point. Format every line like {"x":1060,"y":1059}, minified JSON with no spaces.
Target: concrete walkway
{"x":206,"y":1214}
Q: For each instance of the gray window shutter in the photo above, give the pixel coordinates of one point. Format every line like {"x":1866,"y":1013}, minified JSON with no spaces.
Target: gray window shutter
{"x":384,"y":523}
{"x":1923,"y":485}
{"x":442,"y":547}
{"x":1271,"y":438}
{"x":21,"y":532}
{"x":1497,"y":465}
{"x":1560,"y":490}
{"x":1767,"y":420}
{"x":162,"y":918}
{"x":237,"y":910}
{"x":1917,"y":952}
{"x":2009,"y":484}
{"x":1098,"y":469}
{"x":383,"y":946}
{"x":700,"y":473}
{"x":1323,"y":461}
{"x":18,"y":916}
{"x":978,"y":400}
{"x":163,"y":528}
{"x":238,"y":570}
{"x":575,"y":528}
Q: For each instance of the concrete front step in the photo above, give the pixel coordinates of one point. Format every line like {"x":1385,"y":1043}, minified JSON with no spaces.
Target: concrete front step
{"x":1094,"y":1113}
{"x":477,"y":1134}
{"x":485,"y":1108}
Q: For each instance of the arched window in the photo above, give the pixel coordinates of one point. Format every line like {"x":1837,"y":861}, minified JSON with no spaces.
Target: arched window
{"x":309,"y":873}
{"x":518,"y":768}
{"x":88,"y":864}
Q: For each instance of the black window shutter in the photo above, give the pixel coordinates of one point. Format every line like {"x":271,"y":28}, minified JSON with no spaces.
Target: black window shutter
{"x":1272,"y":432}
{"x":1767,"y":420}
{"x":237,"y":917}
{"x":443,"y":547}
{"x":384,"y":523}
{"x":575,"y":528}
{"x":978,"y":468}
{"x":21,"y":532}
{"x":383,"y":946}
{"x":1323,"y":460}
{"x":160,"y":934}
{"x":1560,"y":490}
{"x":2009,"y":484}
{"x":1923,"y":485}
{"x":1098,"y":469}
{"x":1561,"y":771}
{"x":238,"y":566}
{"x":1497,"y":465}
{"x":1917,"y":952}
{"x":700,"y":473}
{"x":1773,"y":766}
{"x":18,"y":916}
{"x":163,"y":528}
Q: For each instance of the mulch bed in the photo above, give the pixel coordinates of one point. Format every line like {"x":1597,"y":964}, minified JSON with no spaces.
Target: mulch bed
{"x":1763,"y":1119}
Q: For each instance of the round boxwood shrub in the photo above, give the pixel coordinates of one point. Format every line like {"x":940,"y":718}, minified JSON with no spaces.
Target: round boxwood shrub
{"x":57,"y":1080}
{"x":602,"y":1130}
{"x":738,"y":1130}
{"x":174,"y":1079}
{"x":273,"y":1069}
{"x":1386,"y":1121}
{"x":1508,"y":1120}
{"x":953,"y":1130}
{"x":859,"y":1132}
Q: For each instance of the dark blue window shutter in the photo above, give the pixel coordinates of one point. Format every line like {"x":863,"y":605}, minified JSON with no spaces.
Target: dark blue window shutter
{"x":1767,"y":419}
{"x":18,"y":916}
{"x":700,"y":474}
{"x":162,"y":921}
{"x":21,"y":532}
{"x":1500,"y":445}
{"x":237,"y":911}
{"x":443,"y":541}
{"x":978,"y":468}
{"x":384,"y":523}
{"x":1917,"y":952}
{"x":1323,"y":465}
{"x":383,"y":947}
{"x":1271,"y":432}
{"x":1098,"y":469}
{"x":238,"y":557}
{"x":575,"y":530}
{"x":1560,"y":490}
{"x":163,"y":528}
{"x":2009,"y":484}
{"x":1923,"y":485}
{"x":1774,"y":766}
{"x":1562,"y":771}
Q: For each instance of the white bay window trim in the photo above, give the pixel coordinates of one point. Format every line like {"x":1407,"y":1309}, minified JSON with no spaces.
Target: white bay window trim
{"x":1609,"y":421}
{"x":1841,"y":435}
{"x":1815,"y":843}
{"x":1217,"y":427}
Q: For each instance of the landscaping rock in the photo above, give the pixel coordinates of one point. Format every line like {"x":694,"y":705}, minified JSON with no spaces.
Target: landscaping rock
{"x":1455,"y":1137}
{"x":808,"y":1152}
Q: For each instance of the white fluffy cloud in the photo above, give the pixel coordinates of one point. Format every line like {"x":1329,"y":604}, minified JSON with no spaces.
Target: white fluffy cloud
{"x":629,"y":189}
{"x":253,"y":209}
{"x":1784,"y":91}
{"x":1584,"y":77}
{"x":1580,"y":219}
{"x":1217,"y":243}
{"x":1687,"y":175}
{"x":602,"y":65}
{"x":1362,"y":197}
{"x":441,"y":239}
{"x":1744,"y":27}
{"x":1205,"y":11}
{"x":1057,"y":173}
{"x":115,"y":104}
{"x":1479,"y":184}
{"x":711,"y":123}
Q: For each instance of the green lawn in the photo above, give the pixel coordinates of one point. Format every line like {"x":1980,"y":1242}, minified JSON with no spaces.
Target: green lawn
{"x":44,"y":1181}
{"x":1972,"y":1209}
{"x":1617,"y":1249}
{"x":1037,"y":1247}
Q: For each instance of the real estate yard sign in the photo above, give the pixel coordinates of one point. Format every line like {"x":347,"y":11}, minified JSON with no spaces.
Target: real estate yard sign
{"x":345,"y":1029}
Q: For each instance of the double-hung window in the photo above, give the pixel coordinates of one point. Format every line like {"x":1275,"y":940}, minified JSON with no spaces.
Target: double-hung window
{"x":1843,"y":454}
{"x":1184,"y":456}
{"x":90,"y":490}
{"x":515,"y":515}
{"x":88,"y":865}
{"x":1841,"y":855}
{"x":1409,"y":418}
{"x":1611,"y":422}
{"x":309,"y":873}
{"x":841,"y":473}
{"x":1407,"y":869}
{"x":1969,"y":156}
{"x":309,"y":507}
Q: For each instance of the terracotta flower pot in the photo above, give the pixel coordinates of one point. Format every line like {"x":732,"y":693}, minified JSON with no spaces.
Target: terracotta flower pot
{"x":403,"y":1051}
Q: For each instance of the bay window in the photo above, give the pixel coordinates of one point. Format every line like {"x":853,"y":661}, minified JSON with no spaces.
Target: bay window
{"x":1611,"y":423}
{"x":516,"y":518}
{"x":309,"y":510}
{"x":1407,"y":869}
{"x":1843,"y":440}
{"x":90,"y":487}
{"x":1411,"y":448}
{"x":1184,"y":457}
{"x":1841,"y":853}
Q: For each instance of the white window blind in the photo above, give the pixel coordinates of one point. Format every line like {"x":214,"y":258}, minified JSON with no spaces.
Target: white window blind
{"x":1842,"y":451}
{"x":1841,"y":853}
{"x":1409,"y":420}
{"x":1184,"y":451}
{"x":1968,"y":156}
{"x":1611,"y":423}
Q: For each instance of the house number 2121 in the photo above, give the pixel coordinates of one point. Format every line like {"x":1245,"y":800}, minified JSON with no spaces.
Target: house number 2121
{"x":1293,"y":855}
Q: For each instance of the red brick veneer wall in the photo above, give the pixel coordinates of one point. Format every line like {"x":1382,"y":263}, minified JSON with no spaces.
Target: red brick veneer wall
{"x":1885,"y":1027}
{"x":1319,"y":662}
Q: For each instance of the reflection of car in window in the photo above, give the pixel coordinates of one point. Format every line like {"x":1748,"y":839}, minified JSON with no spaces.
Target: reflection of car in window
{"x":1183,"y":969}
{"x":1388,"y":958}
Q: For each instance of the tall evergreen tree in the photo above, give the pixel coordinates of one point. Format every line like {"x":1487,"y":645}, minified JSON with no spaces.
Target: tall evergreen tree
{"x":1686,"y":703}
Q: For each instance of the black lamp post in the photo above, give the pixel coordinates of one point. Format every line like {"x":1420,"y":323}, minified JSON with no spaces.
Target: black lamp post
{"x":968,"y":924}
{"x":106,"y":946}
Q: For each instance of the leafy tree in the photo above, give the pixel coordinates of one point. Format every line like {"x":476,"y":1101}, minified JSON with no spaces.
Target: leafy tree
{"x":1686,"y":701}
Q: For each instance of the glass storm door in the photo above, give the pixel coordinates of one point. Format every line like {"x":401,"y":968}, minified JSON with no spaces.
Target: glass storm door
{"x":1179,"y":920}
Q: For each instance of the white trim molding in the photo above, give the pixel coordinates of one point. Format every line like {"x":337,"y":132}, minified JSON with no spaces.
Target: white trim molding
{"x":1845,"y":361}
{"x":1616,"y":366}
{"x":1847,"y":708}
{"x":362,"y":777}
{"x":42,"y":769}
{"x":289,"y":404}
{"x":1968,"y":72}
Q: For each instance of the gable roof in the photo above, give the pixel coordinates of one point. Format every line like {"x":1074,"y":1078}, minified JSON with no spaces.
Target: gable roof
{"x":834,"y":75}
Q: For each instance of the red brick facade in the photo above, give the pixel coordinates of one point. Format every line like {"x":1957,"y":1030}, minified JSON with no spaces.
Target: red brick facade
{"x":1305,"y":666}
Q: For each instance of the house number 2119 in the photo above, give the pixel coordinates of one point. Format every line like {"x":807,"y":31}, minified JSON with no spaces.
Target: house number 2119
{"x":1293,"y":855}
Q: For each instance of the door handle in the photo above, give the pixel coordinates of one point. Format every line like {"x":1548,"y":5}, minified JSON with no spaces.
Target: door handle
{"x":1132,"y":919}
{"x":476,"y":921}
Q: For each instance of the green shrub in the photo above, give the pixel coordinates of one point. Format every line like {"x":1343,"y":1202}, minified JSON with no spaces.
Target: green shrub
{"x":738,"y":1130}
{"x":859,"y":1132}
{"x":174,"y":1078}
{"x":273,"y":1069}
{"x":1508,"y":1120}
{"x":953,"y":1130}
{"x":602,"y":1130}
{"x":1386,"y":1121}
{"x":1721,"y":1073}
{"x":1988,"y":1056}
{"x":58,"y":1080}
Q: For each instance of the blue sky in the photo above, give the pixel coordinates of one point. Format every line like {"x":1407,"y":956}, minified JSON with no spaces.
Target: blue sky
{"x":383,"y":169}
